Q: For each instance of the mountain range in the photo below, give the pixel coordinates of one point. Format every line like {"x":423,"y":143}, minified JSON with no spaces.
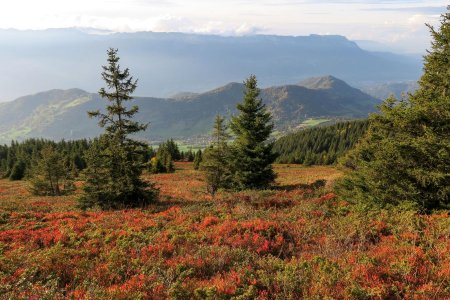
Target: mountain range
{"x":58,"y":114}
{"x":396,"y":89}
{"x":167,"y":63}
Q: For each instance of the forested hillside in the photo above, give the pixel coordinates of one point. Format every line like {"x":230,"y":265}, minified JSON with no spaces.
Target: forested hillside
{"x":56,"y":114}
{"x":319,"y":145}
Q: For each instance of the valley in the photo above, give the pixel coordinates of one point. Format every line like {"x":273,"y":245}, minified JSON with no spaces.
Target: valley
{"x":61,"y":114}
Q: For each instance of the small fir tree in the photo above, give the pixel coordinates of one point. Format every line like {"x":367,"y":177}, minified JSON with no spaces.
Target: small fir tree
{"x":18,"y":170}
{"x":168,"y":163}
{"x":115,"y":162}
{"x":190,"y":156}
{"x":216,"y":159}
{"x":198,"y":159}
{"x":253,"y":154}
{"x":172,"y":148}
{"x":162,"y":162}
{"x":50,"y":175}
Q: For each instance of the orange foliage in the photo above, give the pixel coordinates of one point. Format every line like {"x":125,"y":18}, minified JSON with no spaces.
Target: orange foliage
{"x":291,"y":242}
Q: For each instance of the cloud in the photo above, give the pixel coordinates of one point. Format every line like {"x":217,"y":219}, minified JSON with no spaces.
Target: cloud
{"x":179,"y":24}
{"x":167,"y":23}
{"x":380,"y":20}
{"x":427,"y":10}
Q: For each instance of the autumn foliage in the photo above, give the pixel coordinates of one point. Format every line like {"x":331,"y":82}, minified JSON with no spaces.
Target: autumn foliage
{"x":294,"y":242}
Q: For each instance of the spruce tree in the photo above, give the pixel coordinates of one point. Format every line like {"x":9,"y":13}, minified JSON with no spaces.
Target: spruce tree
{"x":253,"y":155}
{"x":115,"y":161}
{"x":216,"y":159}
{"x":405,"y":155}
{"x":18,"y":170}
{"x":50,"y":175}
{"x":172,"y":148}
{"x":198,"y":159}
{"x":162,"y":162}
{"x":189,"y":156}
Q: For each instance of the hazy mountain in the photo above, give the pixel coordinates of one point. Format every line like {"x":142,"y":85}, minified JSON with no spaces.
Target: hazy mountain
{"x":327,"y":83}
{"x":58,"y":114}
{"x":184,"y":95}
{"x":167,"y":63}
{"x":397,"y":89}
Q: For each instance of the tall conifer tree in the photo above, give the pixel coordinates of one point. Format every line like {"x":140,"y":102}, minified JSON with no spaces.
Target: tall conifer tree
{"x":406,"y":153}
{"x":252,"y":152}
{"x":115,"y":164}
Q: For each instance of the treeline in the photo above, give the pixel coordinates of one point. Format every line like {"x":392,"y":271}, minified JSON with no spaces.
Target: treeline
{"x":319,"y":145}
{"x":161,"y":160}
{"x":17,"y":159}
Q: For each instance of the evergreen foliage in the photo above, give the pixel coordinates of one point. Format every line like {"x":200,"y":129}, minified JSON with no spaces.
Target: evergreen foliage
{"x":16,"y":159}
{"x":172,"y":148}
{"x":115,"y":161}
{"x":162,"y":161}
{"x":18,"y":170}
{"x":321,"y":145}
{"x":252,"y":153}
{"x":51,"y":174}
{"x":216,"y":159}
{"x":405,"y":156}
{"x":189,"y":155}
{"x":198,"y":159}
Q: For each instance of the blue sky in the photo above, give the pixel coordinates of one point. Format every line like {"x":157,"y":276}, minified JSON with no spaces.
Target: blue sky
{"x":398,"y":24}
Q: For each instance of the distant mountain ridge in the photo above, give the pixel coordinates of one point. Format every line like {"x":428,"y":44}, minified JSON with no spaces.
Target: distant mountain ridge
{"x":167,"y":63}
{"x":324,"y":83}
{"x":396,"y":89}
{"x":58,"y":114}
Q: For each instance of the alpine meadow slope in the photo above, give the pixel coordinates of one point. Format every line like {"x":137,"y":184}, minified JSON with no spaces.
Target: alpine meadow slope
{"x":61,"y":114}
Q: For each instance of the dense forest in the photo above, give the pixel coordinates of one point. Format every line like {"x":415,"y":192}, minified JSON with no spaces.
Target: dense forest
{"x":319,"y":145}
{"x":17,"y":159}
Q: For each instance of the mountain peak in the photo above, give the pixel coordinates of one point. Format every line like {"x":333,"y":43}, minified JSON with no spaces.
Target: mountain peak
{"x":323,"y":83}
{"x":58,"y":114}
{"x":232,"y":86}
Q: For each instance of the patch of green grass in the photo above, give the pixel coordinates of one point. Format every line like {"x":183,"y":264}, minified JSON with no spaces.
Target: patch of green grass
{"x":313,"y":122}
{"x":187,"y":147}
{"x":15,"y":133}
{"x":76,"y":102}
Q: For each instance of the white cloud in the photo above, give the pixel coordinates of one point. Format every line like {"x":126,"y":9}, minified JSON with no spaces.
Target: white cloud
{"x":389,"y":21}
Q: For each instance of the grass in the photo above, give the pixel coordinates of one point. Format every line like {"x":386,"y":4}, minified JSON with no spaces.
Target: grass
{"x":186,"y":147}
{"x":294,"y":241}
{"x":14,"y":134}
{"x":313,"y":122}
{"x":76,"y":102}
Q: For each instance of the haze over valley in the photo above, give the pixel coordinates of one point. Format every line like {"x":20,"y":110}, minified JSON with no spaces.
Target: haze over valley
{"x":169,"y":63}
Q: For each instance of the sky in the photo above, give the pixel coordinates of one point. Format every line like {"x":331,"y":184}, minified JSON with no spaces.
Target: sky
{"x":397,"y":24}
